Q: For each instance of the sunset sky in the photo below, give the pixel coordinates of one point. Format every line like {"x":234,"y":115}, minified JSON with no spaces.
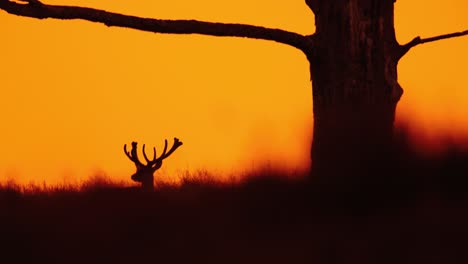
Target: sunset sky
{"x":73,"y":92}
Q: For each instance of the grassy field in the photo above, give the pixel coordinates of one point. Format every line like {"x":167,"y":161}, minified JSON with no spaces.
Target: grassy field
{"x":415,"y":213}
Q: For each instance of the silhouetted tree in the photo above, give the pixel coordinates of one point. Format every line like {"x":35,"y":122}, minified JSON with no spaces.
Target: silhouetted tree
{"x":353,"y":59}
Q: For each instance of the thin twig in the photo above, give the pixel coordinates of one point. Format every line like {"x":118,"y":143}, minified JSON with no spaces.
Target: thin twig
{"x":418,"y":40}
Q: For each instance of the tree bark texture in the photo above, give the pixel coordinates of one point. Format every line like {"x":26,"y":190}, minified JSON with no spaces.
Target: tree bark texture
{"x":355,"y":89}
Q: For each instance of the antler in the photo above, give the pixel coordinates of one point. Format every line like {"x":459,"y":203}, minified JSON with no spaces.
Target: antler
{"x":133,"y":156}
{"x":146,"y":157}
{"x":177,"y":143}
{"x":144,"y":173}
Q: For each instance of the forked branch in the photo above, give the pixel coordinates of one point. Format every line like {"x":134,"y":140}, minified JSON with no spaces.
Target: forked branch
{"x":418,"y":40}
{"x":36,"y":9}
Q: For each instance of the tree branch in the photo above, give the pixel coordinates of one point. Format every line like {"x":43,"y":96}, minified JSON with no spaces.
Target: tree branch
{"x":418,"y":40}
{"x":36,"y":9}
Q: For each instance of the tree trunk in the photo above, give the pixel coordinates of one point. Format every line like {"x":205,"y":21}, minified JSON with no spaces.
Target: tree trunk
{"x":355,"y":90}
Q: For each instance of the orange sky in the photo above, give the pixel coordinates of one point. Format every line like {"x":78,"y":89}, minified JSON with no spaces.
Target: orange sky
{"x":74,"y":92}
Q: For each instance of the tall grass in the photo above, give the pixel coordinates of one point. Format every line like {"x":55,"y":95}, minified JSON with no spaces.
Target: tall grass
{"x":415,"y":212}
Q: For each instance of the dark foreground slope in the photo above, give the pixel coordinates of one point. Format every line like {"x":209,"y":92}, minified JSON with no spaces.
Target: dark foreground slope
{"x":414,"y":213}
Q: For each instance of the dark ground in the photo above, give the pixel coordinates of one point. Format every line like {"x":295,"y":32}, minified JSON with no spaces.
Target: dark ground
{"x":414,"y":213}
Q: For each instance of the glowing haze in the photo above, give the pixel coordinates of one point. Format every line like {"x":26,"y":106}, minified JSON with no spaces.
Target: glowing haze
{"x":73,"y":92}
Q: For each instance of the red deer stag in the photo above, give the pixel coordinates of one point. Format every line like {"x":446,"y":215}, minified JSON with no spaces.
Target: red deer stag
{"x":144,"y":173}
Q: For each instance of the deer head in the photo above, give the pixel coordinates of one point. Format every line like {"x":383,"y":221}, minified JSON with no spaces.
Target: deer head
{"x":144,"y":172}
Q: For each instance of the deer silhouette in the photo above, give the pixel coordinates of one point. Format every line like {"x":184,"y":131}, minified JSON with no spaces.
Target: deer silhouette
{"x":144,"y":172}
